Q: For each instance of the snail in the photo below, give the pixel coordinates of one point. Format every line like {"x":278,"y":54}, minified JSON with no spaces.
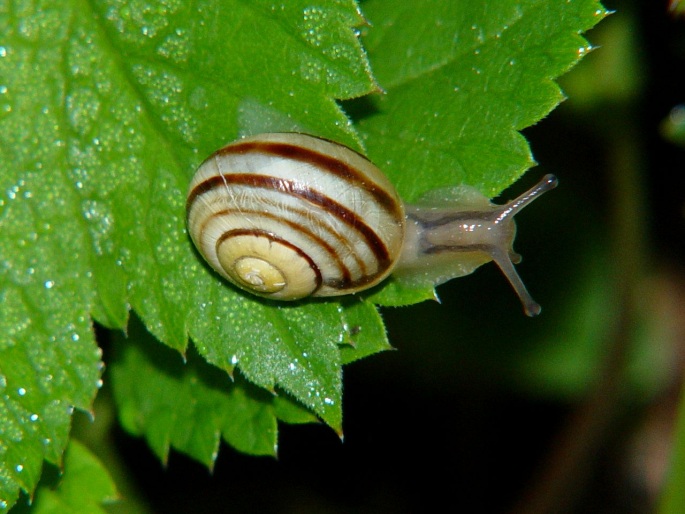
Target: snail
{"x":288,"y":215}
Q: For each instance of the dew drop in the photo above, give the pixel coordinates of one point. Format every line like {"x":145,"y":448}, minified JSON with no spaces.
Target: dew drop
{"x":101,"y":225}
{"x":21,"y":391}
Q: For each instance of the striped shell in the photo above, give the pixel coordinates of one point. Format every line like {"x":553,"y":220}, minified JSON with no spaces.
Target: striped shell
{"x":288,"y":215}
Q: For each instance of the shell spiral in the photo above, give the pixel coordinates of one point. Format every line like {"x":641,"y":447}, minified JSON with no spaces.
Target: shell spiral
{"x":287,"y":215}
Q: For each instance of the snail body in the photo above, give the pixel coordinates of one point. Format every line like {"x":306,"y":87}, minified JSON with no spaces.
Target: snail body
{"x":289,"y":215}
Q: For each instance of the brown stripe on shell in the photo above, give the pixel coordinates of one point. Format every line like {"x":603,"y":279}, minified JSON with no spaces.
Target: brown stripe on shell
{"x":342,"y":241}
{"x":262,"y":233}
{"x":346,"y":279}
{"x":293,"y":188}
{"x":319,"y":160}
{"x":200,"y":189}
{"x":357,"y":284}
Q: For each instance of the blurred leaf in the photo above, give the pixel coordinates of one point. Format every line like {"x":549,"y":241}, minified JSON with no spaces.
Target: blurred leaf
{"x":290,"y":412}
{"x":615,"y":74}
{"x":673,"y":127}
{"x":677,"y":7}
{"x":84,"y":486}
{"x":673,"y":496}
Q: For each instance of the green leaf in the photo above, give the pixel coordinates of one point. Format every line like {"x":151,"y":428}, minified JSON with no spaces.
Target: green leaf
{"x":461,"y":80}
{"x":83,"y":487}
{"x":97,"y":149}
{"x":49,"y":363}
{"x":673,"y":127}
{"x":190,"y":405}
{"x":187,"y":403}
{"x":290,"y":412}
{"x":364,"y":332}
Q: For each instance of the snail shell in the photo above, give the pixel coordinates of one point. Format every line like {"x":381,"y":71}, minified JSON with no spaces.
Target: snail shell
{"x":287,"y":215}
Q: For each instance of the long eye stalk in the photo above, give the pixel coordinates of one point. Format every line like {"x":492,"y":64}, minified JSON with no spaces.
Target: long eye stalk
{"x":503,"y":259}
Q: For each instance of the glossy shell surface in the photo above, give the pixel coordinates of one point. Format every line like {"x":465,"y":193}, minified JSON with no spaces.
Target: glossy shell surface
{"x":286,"y":215}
